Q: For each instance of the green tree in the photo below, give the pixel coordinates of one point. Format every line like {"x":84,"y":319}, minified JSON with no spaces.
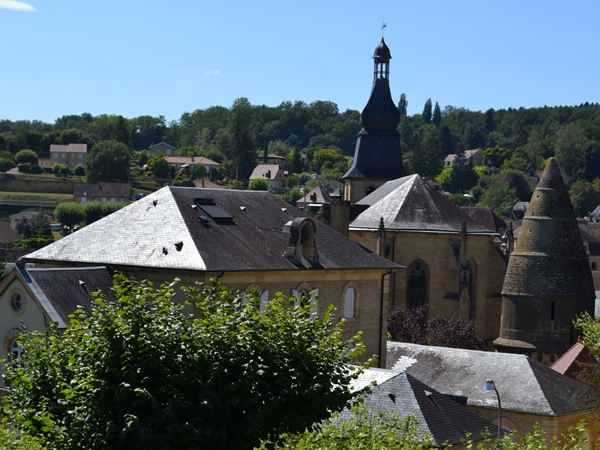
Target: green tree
{"x":500,"y":195}
{"x":26,"y":157}
{"x":40,"y":226}
{"x":585,"y":196}
{"x":142,"y":159}
{"x":60,"y":170}
{"x":325,"y":158}
{"x":403,"y":105}
{"x":79,"y":171}
{"x":437,"y":115}
{"x":427,"y":156}
{"x":108,"y":162}
{"x":142,"y":372}
{"x":570,"y":148}
{"x":427,"y":111}
{"x":200,"y":171}
{"x":463,"y":174}
{"x":6,"y":164}
{"x":158,"y":166}
{"x":258,"y":184}
{"x":295,"y":160}
{"x":69,"y":214}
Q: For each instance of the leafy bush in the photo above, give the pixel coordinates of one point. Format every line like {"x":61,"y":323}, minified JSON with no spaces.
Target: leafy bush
{"x":34,"y":242}
{"x":31,"y":169}
{"x":142,"y":372}
{"x":258,"y":184}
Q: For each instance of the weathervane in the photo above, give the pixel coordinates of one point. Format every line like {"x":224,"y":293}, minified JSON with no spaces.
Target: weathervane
{"x":383,"y":26}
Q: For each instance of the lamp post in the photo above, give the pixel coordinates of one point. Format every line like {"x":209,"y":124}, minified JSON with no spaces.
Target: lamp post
{"x":489,"y":386}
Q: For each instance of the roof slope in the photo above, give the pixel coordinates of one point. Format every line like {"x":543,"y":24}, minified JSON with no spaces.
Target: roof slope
{"x":524,"y":384}
{"x":163,"y":230}
{"x":439,"y":416}
{"x":409,"y":203}
{"x":7,"y":235}
{"x":62,"y":291}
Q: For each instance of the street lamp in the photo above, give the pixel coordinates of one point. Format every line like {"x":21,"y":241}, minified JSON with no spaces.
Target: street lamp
{"x":490,"y":386}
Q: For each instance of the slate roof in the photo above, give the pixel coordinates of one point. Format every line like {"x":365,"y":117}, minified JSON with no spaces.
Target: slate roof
{"x":62,"y":291}
{"x":410,"y":204}
{"x":524,"y":384}
{"x":7,"y":235}
{"x":102,"y":190}
{"x":439,"y":416}
{"x":163,"y":230}
{"x":484,"y":217}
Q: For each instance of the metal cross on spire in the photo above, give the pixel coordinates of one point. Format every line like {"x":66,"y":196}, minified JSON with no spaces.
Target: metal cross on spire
{"x":383,"y":26}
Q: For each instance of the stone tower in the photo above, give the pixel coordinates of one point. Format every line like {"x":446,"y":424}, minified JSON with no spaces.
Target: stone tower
{"x":548,"y":280}
{"x":378,"y":155}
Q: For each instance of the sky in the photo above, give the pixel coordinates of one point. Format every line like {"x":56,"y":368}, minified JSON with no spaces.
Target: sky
{"x":150,"y":57}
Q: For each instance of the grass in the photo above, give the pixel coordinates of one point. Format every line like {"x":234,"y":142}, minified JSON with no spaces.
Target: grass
{"x":34,"y":198}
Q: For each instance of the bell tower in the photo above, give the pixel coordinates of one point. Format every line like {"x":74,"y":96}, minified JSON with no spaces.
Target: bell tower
{"x":378,"y":155}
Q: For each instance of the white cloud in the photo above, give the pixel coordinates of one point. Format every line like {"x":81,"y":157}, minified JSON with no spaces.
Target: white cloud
{"x":16,"y":5}
{"x":208,"y":72}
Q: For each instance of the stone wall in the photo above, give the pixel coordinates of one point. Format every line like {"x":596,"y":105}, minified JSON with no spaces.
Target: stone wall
{"x":19,"y":185}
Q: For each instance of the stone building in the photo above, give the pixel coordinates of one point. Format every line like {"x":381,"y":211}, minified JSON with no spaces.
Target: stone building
{"x":454,"y":265}
{"x":548,"y":280}
{"x":251,"y":240}
{"x":378,"y":155}
{"x":69,"y":155}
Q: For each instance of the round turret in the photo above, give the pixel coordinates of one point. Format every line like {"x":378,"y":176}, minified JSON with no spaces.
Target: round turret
{"x":548,"y":281}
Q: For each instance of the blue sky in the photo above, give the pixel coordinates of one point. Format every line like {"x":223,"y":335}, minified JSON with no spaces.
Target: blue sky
{"x":134,"y":57}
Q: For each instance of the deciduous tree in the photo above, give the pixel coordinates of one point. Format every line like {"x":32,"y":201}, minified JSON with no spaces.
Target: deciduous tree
{"x":70,"y":214}
{"x":143,"y":373}
{"x":26,"y":156}
{"x":108,"y":162}
{"x":258,"y":184}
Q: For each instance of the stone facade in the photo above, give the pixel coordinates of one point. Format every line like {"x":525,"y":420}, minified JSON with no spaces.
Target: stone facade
{"x":437,"y":258}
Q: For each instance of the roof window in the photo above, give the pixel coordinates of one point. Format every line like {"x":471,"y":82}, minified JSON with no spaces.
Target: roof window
{"x":212,"y":210}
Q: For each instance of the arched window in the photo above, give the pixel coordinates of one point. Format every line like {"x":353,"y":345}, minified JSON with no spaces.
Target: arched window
{"x":349,"y":303}
{"x":16,"y":351}
{"x":314,"y":304}
{"x":417,"y":287}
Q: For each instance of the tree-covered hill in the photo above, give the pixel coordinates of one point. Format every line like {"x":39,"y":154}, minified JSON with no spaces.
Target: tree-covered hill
{"x":510,"y":138}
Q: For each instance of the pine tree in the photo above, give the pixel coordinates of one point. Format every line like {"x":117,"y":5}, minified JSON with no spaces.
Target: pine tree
{"x":427,"y":111}
{"x":437,"y":115}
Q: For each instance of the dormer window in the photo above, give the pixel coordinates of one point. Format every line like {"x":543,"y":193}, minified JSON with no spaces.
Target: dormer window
{"x":301,"y":244}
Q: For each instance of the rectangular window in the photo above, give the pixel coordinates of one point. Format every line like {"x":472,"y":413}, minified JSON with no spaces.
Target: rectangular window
{"x":81,"y":156}
{"x":82,"y":199}
{"x":103,"y":199}
{"x":64,"y":155}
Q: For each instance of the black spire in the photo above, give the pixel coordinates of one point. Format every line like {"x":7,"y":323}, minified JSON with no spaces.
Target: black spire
{"x":378,"y":154}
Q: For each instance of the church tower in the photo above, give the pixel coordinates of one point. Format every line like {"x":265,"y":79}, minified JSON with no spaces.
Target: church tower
{"x":378,"y":155}
{"x":548,"y":281}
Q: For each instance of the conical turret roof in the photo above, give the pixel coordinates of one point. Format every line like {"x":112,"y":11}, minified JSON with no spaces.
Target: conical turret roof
{"x":549,"y":247}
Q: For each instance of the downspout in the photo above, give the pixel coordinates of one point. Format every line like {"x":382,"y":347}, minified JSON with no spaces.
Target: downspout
{"x":381,"y":316}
